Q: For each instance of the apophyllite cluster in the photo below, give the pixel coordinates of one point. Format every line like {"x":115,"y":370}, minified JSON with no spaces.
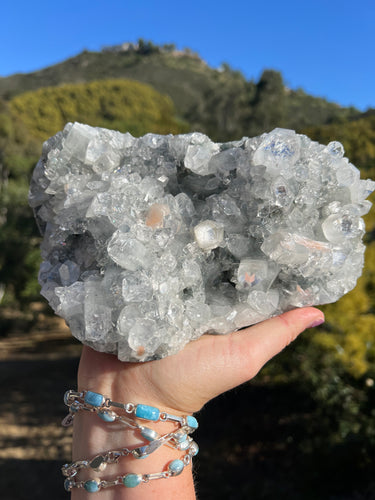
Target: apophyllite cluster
{"x":151,"y":242}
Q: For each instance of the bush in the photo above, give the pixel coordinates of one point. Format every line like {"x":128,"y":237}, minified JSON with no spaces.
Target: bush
{"x":124,"y":105}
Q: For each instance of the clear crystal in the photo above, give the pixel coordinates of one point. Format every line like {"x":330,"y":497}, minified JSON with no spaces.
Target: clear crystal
{"x":136,"y":287}
{"x":208,"y":234}
{"x":98,"y":316}
{"x":151,"y":242}
{"x":128,"y":252}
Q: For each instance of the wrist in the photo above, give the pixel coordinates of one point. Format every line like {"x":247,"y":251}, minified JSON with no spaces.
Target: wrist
{"x":170,"y":447}
{"x":122,"y":381}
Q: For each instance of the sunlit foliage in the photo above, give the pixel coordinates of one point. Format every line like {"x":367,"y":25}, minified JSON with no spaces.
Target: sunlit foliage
{"x":123,"y":105}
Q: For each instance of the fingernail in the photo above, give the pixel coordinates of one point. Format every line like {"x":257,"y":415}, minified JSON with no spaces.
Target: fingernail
{"x":317,"y":322}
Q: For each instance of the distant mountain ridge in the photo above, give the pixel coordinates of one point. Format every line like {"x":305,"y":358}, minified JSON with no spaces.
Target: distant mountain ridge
{"x":219,"y":102}
{"x":153,"y":67}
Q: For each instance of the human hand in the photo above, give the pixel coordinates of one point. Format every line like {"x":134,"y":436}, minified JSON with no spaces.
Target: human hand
{"x":178,"y":384}
{"x":205,"y":368}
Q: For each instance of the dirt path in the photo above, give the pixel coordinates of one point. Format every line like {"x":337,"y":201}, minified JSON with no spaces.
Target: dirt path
{"x":36,"y":367}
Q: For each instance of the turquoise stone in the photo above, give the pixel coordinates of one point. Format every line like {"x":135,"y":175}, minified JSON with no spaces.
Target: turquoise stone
{"x":107,"y":416}
{"x":91,"y":486}
{"x":68,"y":484}
{"x":176,"y":467}
{"x":147,"y":412}
{"x":192,"y":422}
{"x":149,"y":434}
{"x":131,"y":480}
{"x":94,"y":398}
{"x":181,"y":438}
{"x":194,"y":449}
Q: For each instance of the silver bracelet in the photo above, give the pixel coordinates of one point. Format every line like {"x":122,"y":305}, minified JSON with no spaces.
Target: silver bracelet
{"x":100,"y":404}
{"x":96,"y":402}
{"x":129,"y":480}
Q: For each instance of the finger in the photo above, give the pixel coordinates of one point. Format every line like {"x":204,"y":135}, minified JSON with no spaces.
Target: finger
{"x":242,"y":354}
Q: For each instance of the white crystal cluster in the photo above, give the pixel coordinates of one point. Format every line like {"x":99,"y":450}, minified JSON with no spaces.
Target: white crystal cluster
{"x":152,"y":242}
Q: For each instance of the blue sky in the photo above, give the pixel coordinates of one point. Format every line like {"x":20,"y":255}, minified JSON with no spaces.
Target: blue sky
{"x":327,"y":47}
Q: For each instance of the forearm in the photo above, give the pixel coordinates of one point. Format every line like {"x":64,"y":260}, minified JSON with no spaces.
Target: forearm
{"x":180,"y":385}
{"x":92,"y":436}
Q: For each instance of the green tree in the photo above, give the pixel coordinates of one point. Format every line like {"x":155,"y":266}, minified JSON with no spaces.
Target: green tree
{"x":125,"y":105}
{"x":19,"y":239}
{"x":222,"y":113}
{"x":268,"y":108}
{"x":33,"y":117}
{"x":357,"y":137}
{"x":146,"y":47}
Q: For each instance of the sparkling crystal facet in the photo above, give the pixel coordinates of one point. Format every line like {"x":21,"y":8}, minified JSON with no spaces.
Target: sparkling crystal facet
{"x":151,"y":242}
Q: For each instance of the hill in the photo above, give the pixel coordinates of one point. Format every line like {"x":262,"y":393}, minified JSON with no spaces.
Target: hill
{"x":124,"y":105}
{"x":182,"y":76}
{"x":139,"y":87}
{"x":219,"y":102}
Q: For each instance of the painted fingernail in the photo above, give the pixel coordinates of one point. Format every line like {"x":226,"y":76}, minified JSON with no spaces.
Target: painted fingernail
{"x":317,"y":322}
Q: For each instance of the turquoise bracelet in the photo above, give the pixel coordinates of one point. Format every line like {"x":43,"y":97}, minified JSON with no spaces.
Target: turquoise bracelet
{"x":94,"y":401}
{"x":98,"y":403}
{"x":130,"y":480}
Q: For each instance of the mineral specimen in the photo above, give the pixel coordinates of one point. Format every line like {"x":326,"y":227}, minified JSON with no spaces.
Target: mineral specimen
{"x":152,"y":242}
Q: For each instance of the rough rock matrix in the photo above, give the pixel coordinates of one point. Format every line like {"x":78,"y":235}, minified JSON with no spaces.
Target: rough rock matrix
{"x":151,"y":242}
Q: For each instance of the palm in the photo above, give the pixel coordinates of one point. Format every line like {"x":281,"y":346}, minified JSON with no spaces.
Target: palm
{"x":202,"y":370}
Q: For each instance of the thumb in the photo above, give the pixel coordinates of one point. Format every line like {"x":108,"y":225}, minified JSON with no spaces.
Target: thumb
{"x":242,"y":354}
